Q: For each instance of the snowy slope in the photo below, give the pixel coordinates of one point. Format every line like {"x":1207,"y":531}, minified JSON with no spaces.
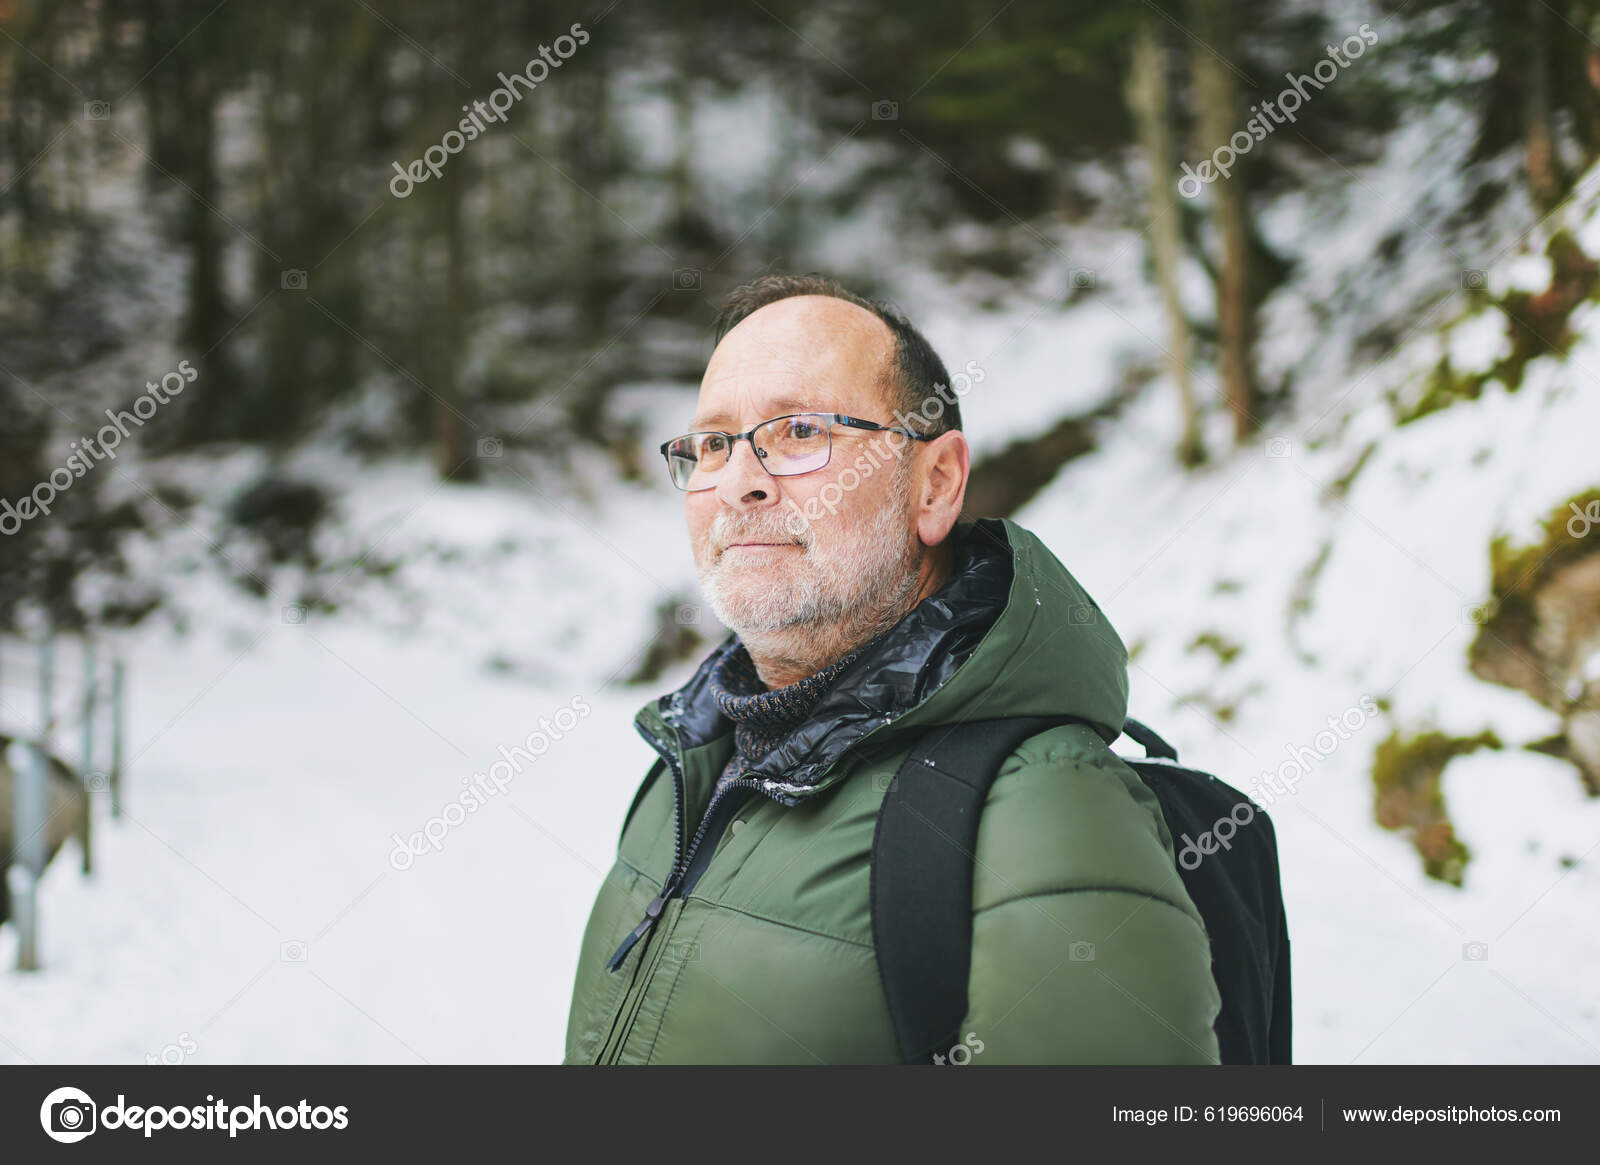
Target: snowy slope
{"x":1380,"y":972}
{"x":246,"y":908}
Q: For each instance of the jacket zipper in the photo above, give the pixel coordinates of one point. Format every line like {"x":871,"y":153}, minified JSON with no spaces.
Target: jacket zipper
{"x":653,"y":911}
{"x":682,"y":860}
{"x":678,"y":883}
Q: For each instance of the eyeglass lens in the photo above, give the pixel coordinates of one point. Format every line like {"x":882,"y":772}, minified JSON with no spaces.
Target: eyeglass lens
{"x":786,"y":445}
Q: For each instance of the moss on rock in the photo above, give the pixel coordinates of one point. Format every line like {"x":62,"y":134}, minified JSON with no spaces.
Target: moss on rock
{"x":1407,"y":779}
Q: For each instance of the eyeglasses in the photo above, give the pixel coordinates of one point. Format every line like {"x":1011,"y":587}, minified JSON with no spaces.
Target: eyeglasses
{"x":785,"y":446}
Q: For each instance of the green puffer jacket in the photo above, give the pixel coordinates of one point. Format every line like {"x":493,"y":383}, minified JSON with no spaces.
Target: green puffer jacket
{"x":760,"y":950}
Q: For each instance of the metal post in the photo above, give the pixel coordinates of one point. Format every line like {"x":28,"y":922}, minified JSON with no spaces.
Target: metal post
{"x":47,"y":687}
{"x":20,"y":888}
{"x":91,"y":691}
{"x":116,"y":736}
{"x":86,"y":774}
{"x":30,"y":772}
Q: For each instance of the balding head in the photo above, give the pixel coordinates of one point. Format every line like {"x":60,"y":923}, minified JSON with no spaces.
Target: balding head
{"x":914,"y":379}
{"x":808,"y":351}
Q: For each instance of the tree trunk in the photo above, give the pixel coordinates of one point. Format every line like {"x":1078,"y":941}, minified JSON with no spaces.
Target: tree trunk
{"x":1585,"y":61}
{"x":454,"y":451}
{"x":590,"y":145}
{"x":1148,"y":99}
{"x":1217,"y":96}
{"x":1544,"y":167}
{"x":682,"y":90}
{"x":186,"y":132}
{"x":205,"y":320}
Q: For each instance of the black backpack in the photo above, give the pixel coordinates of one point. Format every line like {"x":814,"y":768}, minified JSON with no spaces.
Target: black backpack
{"x":922,"y":886}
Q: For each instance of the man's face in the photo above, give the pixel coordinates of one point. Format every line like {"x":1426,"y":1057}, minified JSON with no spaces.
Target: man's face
{"x":808,"y":550}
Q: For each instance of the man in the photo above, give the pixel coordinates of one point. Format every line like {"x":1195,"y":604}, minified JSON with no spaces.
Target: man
{"x":823,"y":476}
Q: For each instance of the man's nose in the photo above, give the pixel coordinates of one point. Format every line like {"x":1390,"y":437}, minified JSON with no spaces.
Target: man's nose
{"x":743,"y":483}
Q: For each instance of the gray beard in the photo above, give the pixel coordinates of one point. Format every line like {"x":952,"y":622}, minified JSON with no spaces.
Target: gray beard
{"x":847,"y":596}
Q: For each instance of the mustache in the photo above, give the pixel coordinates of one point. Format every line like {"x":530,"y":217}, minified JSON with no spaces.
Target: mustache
{"x":725,"y":533}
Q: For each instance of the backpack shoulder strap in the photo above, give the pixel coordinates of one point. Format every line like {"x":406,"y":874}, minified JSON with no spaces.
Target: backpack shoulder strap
{"x":922,"y":853}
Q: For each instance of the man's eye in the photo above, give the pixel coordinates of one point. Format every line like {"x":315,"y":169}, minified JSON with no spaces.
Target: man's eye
{"x":804,"y":430}
{"x":715,"y":443}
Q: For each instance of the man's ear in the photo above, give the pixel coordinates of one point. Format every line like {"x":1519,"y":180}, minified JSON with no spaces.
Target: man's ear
{"x":941,"y":485}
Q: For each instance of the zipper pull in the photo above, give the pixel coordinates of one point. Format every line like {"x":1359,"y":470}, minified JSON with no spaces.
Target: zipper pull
{"x":651,"y":913}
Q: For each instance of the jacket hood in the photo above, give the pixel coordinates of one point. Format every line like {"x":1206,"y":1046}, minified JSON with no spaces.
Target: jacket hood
{"x":1010,"y":633}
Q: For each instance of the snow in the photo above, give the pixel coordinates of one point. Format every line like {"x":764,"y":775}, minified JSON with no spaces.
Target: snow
{"x":1478,"y":341}
{"x":271,"y":766}
{"x":1381,"y":973}
{"x":246,"y":908}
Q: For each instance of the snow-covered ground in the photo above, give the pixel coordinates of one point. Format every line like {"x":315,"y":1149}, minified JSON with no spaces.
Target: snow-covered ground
{"x":1381,"y":953}
{"x":249,"y":907}
{"x":1381,"y":973}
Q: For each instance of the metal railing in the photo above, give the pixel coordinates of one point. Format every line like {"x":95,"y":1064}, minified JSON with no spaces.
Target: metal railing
{"x":98,"y":711}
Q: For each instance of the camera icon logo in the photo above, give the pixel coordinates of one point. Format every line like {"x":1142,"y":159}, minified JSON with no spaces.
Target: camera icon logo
{"x":97,"y":111}
{"x":1081,"y":952}
{"x":885,"y":111}
{"x":1279,"y":447}
{"x":1081,"y":614}
{"x":292,"y":951}
{"x":293,"y":613}
{"x":1474,"y":279}
{"x":686,"y":279}
{"x":1475,"y":952}
{"x":68,"y":1115}
{"x":687,"y":615}
{"x":1085,"y":278}
{"x":293,"y":279}
{"x":490,"y":447}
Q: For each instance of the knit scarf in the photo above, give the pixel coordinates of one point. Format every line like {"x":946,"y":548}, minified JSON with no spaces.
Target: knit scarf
{"x":763,"y":716}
